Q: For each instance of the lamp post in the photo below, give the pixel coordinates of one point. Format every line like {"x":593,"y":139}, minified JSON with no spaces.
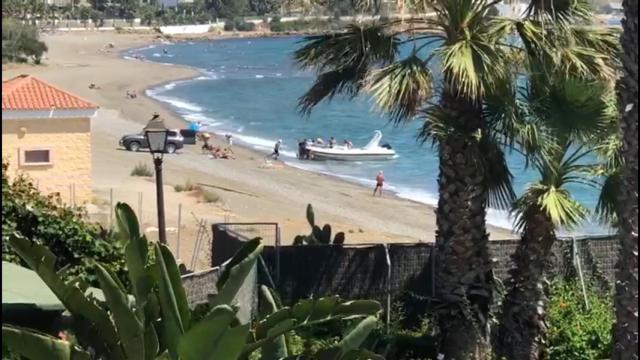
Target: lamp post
{"x":156,"y":135}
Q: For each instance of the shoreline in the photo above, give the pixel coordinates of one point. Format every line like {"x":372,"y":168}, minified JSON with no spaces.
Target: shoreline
{"x":168,"y":107}
{"x":279,"y":193}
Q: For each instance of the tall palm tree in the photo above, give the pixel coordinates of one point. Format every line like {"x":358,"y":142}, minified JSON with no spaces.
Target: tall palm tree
{"x":569,"y":119}
{"x":470,"y":51}
{"x":367,"y":58}
{"x":626,"y":297}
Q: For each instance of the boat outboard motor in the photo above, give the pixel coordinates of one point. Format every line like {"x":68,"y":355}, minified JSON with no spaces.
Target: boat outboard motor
{"x":386,"y":146}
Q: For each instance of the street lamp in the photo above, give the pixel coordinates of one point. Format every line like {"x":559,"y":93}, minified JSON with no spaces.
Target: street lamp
{"x":156,"y":135}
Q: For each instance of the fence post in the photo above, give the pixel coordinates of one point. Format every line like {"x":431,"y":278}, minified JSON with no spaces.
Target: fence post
{"x":140,"y":208}
{"x":179,"y":226}
{"x":70,"y":196}
{"x":576,"y":263}
{"x":195,"y":246}
{"x":73,"y":186}
{"x":111,"y":209}
{"x":388,"y":290}
{"x":277,"y":254}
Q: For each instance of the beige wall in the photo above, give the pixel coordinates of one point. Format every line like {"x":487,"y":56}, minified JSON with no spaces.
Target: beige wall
{"x":70,"y":140}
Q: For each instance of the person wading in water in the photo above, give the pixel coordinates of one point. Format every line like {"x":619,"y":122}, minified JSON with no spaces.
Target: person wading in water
{"x":379,"y":183}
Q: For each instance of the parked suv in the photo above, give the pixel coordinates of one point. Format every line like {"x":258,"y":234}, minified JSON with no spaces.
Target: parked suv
{"x":135,"y":142}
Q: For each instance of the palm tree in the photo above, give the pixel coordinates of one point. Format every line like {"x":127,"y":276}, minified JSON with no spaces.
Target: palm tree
{"x":471,"y":53}
{"x":567,"y":119}
{"x":626,"y":298}
{"x":366,"y":58}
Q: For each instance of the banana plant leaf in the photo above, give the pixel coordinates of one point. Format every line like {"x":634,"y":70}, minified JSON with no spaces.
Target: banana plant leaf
{"x":94,"y":321}
{"x":33,"y":345}
{"x":214,"y":337}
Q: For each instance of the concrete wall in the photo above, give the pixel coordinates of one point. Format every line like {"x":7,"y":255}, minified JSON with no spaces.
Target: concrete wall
{"x":70,"y":141}
{"x":189,"y":29}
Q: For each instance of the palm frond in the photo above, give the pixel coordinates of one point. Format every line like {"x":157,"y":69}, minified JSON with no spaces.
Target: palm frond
{"x":570,"y":106}
{"x":498,"y":178}
{"x":344,"y":60}
{"x":606,"y":208}
{"x":401,"y":88}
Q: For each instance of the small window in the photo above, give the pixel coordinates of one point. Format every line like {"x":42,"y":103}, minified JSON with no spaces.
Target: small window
{"x":35,"y":157}
{"x":173,"y":134}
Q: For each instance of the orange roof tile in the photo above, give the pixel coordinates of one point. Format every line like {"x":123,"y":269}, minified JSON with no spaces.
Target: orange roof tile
{"x":26,"y":92}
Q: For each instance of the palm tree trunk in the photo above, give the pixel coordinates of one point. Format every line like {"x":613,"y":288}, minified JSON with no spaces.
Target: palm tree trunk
{"x":522,"y":327}
{"x":625,"y":330}
{"x":463,"y":269}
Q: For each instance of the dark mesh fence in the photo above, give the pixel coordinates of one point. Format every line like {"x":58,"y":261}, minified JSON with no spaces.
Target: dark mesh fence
{"x":394,"y":272}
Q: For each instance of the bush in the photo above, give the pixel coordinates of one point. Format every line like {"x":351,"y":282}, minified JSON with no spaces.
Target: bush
{"x":574,"y":332}
{"x":142,"y":169}
{"x":20,"y":42}
{"x":188,"y":186}
{"x":209,"y":196}
{"x":43,"y":219}
{"x":302,"y":25}
{"x":229,"y":26}
{"x":246,"y":26}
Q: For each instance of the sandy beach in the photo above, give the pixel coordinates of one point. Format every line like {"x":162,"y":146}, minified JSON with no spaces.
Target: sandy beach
{"x":249,"y":191}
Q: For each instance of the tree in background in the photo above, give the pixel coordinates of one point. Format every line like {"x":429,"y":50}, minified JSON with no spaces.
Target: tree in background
{"x":20,"y":43}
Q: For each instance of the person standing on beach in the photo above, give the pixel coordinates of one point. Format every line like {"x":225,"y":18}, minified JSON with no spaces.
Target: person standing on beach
{"x":276,"y":150}
{"x":379,"y":183}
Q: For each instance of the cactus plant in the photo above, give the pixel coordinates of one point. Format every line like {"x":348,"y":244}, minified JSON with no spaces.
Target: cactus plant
{"x":159,"y":326}
{"x":318,"y":235}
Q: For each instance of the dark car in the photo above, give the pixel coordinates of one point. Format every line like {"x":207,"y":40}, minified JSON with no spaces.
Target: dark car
{"x":135,"y":142}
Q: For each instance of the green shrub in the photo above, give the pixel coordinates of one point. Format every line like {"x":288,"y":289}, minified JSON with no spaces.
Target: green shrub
{"x":229,"y":26}
{"x":209,"y":196}
{"x":20,"y":42}
{"x":76,"y":243}
{"x":303,"y":25}
{"x":574,"y":332}
{"x":245,"y":26}
{"x":187,"y":186}
{"x":142,"y":169}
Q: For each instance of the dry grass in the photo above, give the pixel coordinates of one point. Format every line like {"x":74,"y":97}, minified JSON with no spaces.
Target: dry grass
{"x":210,"y":197}
{"x":188,"y":186}
{"x":142,"y":170}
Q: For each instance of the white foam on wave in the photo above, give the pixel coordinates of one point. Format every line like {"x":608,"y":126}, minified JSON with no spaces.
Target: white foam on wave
{"x":259,"y":76}
{"x":156,"y":55}
{"x":206,"y":120}
{"x":177,"y":103}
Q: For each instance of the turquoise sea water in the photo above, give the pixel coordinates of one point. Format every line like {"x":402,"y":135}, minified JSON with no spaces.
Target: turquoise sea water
{"x":249,"y":88}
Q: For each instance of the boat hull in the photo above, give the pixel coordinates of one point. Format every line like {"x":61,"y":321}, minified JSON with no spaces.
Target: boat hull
{"x":321,"y":155}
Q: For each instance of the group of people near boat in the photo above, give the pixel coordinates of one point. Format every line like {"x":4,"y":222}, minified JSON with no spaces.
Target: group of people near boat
{"x":304,"y":153}
{"x":215,"y":152}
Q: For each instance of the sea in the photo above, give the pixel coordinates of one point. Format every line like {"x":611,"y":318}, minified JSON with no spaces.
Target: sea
{"x":249,"y":88}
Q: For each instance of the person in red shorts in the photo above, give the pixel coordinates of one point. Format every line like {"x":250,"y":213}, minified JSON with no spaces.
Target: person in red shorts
{"x":379,"y":183}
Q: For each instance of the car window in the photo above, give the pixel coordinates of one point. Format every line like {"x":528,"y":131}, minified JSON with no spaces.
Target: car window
{"x":173,"y":133}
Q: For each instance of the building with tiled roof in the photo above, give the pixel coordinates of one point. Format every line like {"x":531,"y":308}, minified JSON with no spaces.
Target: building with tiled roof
{"x":46,"y":134}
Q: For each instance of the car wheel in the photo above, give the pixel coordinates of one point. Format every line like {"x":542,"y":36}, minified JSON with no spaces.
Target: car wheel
{"x":171,"y":148}
{"x":134,"y":146}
